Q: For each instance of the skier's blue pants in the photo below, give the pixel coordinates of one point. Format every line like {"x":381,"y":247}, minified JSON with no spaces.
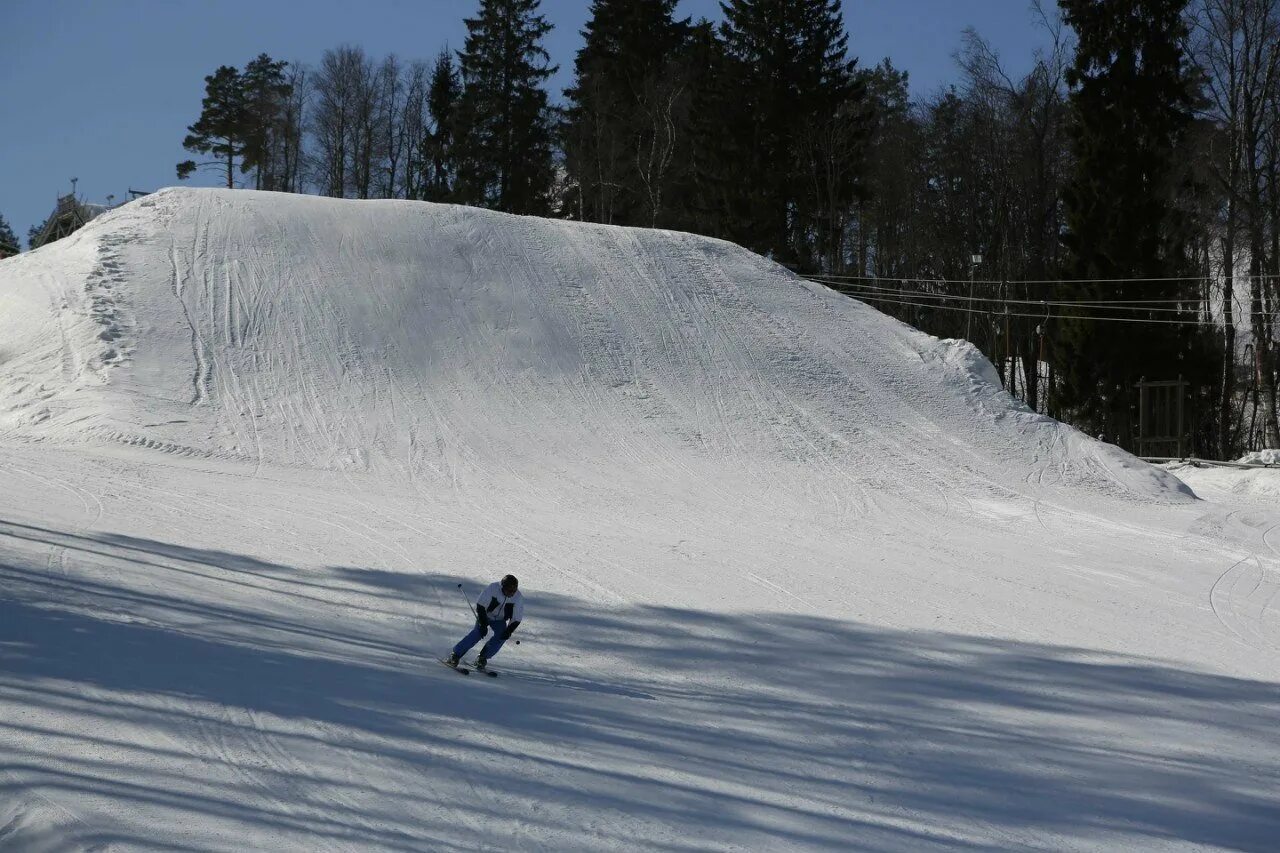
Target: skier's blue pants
{"x":490,"y":648}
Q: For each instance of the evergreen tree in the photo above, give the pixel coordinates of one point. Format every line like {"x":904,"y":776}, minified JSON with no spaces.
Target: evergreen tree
{"x":1132,"y":95}
{"x":708,"y":188}
{"x":504,"y":131}
{"x":222,"y":129}
{"x":887,"y":221}
{"x":793,"y":73}
{"x":438,"y":153}
{"x":33,"y":233}
{"x":626,"y":75}
{"x":8,"y":240}
{"x":266,"y":95}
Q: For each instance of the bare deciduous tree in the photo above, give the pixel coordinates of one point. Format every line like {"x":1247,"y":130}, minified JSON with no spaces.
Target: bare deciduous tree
{"x":1237,"y":43}
{"x":659,"y":101}
{"x":334,"y":117}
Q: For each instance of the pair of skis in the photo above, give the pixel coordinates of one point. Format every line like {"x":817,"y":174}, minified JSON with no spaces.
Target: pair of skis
{"x":467,"y":668}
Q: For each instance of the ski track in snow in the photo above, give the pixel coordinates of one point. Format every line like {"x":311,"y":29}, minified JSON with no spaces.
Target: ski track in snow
{"x":799,"y":577}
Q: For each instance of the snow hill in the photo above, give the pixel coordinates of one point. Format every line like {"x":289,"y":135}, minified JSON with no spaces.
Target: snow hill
{"x":798,"y":576}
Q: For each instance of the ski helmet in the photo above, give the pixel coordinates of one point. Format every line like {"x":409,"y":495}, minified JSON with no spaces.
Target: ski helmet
{"x":509,"y":582}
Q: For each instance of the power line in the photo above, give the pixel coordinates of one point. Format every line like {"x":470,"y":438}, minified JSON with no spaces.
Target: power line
{"x":870,"y":298}
{"x":1167,"y":280}
{"x":1112,"y":305}
{"x":870,"y":292}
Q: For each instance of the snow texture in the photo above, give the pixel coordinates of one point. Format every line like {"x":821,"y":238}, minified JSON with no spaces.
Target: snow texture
{"x":798,"y":576}
{"x":1247,"y":486}
{"x":1262,"y":457}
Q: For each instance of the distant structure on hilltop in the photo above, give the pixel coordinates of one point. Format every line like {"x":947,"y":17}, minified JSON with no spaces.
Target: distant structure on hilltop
{"x":71,"y":214}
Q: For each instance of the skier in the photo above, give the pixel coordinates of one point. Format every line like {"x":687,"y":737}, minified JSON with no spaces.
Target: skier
{"x":500,"y":606}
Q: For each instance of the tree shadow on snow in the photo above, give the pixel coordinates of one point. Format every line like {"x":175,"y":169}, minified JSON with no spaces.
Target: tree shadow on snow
{"x":165,"y":696}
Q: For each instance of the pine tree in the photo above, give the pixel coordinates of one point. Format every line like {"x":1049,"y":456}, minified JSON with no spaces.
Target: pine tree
{"x":1132,"y":95}
{"x":8,"y":240}
{"x":710,"y":181}
{"x":885,"y":218}
{"x":504,"y":131}
{"x":266,"y":94}
{"x":438,"y":153}
{"x":620,"y":120}
{"x":222,"y":130}
{"x":34,"y":232}
{"x":792,"y":72}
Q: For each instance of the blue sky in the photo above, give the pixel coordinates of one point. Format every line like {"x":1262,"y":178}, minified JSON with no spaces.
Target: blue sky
{"x":103,"y":90}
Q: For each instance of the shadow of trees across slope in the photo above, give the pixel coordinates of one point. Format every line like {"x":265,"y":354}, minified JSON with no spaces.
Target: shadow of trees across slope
{"x":154,"y":696}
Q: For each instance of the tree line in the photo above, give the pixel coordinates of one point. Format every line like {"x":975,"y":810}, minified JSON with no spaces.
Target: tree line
{"x":8,"y":240}
{"x":1111,"y":215}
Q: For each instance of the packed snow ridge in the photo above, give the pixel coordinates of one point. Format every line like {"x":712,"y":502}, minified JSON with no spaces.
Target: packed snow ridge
{"x":294,"y":330}
{"x":797,"y":576}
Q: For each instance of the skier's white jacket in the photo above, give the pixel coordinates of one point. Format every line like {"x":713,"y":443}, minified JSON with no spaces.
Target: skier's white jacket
{"x":499,"y":607}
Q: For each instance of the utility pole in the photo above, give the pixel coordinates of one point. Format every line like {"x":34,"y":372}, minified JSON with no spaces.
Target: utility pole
{"x":1011,"y":384}
{"x":1041,"y":328}
{"x":974,"y":260}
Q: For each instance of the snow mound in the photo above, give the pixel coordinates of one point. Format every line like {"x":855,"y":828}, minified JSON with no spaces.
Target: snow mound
{"x":1247,"y":485}
{"x":1261,"y":457}
{"x":406,"y":337}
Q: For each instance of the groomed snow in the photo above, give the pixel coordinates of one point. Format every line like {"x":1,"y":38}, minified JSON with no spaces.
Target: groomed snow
{"x":797,"y":576}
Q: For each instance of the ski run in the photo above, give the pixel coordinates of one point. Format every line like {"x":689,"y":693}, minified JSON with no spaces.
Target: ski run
{"x":797,"y":576}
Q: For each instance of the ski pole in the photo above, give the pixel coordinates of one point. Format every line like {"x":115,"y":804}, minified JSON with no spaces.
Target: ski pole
{"x":467,"y":598}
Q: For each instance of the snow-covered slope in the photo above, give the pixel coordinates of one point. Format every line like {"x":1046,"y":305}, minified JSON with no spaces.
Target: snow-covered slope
{"x":798,"y":575}
{"x":303,"y":331}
